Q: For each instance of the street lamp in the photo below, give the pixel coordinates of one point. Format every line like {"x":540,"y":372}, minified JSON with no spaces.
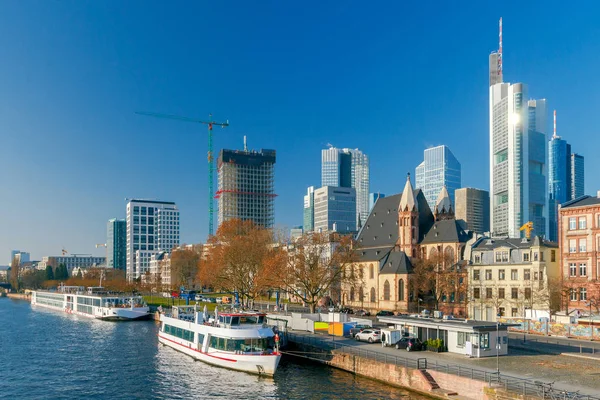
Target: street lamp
{"x":498,"y":344}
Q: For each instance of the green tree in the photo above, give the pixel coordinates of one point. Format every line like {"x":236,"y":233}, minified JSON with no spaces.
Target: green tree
{"x":49,"y":273}
{"x":33,"y":279}
{"x":61,"y":272}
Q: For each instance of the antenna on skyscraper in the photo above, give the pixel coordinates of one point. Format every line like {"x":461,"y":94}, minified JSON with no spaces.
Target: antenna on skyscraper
{"x":500,"y":52}
{"x":554,"y":135}
{"x":245,"y":144}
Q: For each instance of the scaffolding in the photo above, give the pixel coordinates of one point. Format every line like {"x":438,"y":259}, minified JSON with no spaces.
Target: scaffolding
{"x":246,"y":182}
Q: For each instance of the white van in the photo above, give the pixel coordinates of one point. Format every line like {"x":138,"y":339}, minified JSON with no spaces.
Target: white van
{"x":389,"y":337}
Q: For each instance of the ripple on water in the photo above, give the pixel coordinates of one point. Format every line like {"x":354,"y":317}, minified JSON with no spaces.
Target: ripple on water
{"x":51,"y":355}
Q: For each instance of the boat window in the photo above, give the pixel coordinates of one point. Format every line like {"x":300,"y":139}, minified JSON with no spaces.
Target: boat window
{"x":235,"y":321}
{"x":258,"y":345}
{"x":249,"y":319}
{"x":227,"y":320}
{"x":221,"y":319}
{"x":201,"y":338}
{"x":261,"y":319}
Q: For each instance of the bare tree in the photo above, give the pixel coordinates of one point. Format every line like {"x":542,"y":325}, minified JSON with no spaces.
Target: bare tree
{"x":316,"y":264}
{"x":240,"y":259}
{"x":15,"y":271}
{"x":184,"y":267}
{"x":436,"y":276}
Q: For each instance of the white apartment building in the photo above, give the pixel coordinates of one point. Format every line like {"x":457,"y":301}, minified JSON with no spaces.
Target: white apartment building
{"x":152,"y":226}
{"x":82,"y":261}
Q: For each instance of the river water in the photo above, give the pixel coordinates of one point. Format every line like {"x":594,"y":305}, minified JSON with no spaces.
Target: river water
{"x":47,"y":354}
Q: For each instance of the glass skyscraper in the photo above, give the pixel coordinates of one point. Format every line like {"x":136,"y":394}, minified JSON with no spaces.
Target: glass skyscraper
{"x":565,"y":179}
{"x":116,"y":244}
{"x":309,"y":210}
{"x":439,"y":168}
{"x":348,"y":168}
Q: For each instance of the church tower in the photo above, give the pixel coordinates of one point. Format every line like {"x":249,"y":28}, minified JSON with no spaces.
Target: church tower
{"x":408,"y":221}
{"x":443,"y":206}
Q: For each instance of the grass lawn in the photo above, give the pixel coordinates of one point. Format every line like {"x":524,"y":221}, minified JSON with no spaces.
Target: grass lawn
{"x":167,"y":302}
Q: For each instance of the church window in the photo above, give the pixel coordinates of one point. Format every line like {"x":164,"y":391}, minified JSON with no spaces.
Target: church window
{"x":386,"y":290}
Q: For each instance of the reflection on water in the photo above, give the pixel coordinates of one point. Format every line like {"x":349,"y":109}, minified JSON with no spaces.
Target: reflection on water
{"x":47,"y":354}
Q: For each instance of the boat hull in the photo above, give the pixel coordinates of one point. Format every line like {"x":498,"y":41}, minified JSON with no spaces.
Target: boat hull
{"x":264,"y":365}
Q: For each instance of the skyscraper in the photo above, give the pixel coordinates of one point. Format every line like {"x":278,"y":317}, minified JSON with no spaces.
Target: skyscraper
{"x":373,"y":197}
{"x":565,"y":178}
{"x":518,"y":166}
{"x":335,"y":209}
{"x":473,"y":207}
{"x":246,"y":186}
{"x":309,"y":210}
{"x":152,"y":226}
{"x":577,"y":176}
{"x":116,"y":244}
{"x":439,"y":168}
{"x":348,"y":168}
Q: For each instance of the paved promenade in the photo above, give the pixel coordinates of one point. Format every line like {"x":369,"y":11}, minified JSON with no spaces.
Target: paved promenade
{"x":568,"y":373}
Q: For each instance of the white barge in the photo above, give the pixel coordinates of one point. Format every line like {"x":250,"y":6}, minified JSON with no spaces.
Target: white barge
{"x":237,"y":340}
{"x":93,"y":302}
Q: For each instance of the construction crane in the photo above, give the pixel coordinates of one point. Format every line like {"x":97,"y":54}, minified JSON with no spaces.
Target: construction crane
{"x":64,"y":252}
{"x":527,"y":227}
{"x":211,"y":163}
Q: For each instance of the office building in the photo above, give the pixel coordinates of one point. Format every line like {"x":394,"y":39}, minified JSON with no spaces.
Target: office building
{"x":577,"y":176}
{"x":296,"y":233}
{"x":518,"y":169}
{"x":247,"y":186}
{"x":116,"y":244}
{"x":82,"y":261}
{"x":348,"y":168}
{"x":23,"y":256}
{"x":152,"y":226}
{"x":473,"y":207}
{"x":335,"y":209}
{"x":439,"y":168}
{"x":309,"y":210}
{"x":373,"y":197}
{"x":565,"y":178}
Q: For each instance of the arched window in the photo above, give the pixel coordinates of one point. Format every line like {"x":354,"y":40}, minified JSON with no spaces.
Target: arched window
{"x":371,"y":273}
{"x":386,"y":290}
{"x":373,"y":299}
{"x":361,"y":294}
{"x":351,"y":294}
{"x":449,"y":255}
{"x":401,"y":290}
{"x":432,"y":253}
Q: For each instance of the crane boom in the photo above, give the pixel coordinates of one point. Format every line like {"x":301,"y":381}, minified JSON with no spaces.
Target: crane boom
{"x":211,"y":163}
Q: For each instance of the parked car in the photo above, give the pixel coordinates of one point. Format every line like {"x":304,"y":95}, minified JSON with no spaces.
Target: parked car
{"x":200,"y":298}
{"x":219,"y":300}
{"x":210,"y":299}
{"x":363,"y":313}
{"x":384,"y":313}
{"x":358,"y":329}
{"x":347,"y":310}
{"x":369,"y":335}
{"x":410,"y":344}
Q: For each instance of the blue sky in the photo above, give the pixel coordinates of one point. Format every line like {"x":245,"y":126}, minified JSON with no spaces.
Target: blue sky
{"x":390,"y":78}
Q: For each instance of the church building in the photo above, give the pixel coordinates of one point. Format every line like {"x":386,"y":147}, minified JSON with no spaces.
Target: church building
{"x":401,"y":231}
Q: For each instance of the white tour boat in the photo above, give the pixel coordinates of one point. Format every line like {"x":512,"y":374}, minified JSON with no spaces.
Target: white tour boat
{"x":93,"y":302}
{"x":237,"y":340}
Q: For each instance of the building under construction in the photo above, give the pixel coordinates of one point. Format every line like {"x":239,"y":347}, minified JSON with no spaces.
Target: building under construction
{"x":246,"y":186}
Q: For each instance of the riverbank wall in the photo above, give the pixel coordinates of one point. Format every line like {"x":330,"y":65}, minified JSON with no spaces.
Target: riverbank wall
{"x":19,"y":296}
{"x":415,"y":375}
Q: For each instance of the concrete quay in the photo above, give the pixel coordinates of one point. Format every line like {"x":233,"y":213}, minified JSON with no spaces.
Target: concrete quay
{"x":522,"y":373}
{"x":19,"y":296}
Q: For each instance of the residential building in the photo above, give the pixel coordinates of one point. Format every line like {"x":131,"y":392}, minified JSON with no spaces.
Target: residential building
{"x":296,"y":233}
{"x":508,"y":276}
{"x":152,"y":226}
{"x":348,"y":168}
{"x":247,"y":186}
{"x":23,"y":256}
{"x":373,"y":197}
{"x":577,"y":176}
{"x":116,"y":244}
{"x":439,"y":168}
{"x":579,"y":243}
{"x":335,"y":209}
{"x":518,"y":168}
{"x":473,"y":207}
{"x":309,"y":210}
{"x":401,"y":231}
{"x":83,"y":261}
{"x":565,"y":178}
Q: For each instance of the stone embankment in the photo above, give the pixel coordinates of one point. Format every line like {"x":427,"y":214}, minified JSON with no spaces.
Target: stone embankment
{"x":412,"y":374}
{"x":20,"y":296}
